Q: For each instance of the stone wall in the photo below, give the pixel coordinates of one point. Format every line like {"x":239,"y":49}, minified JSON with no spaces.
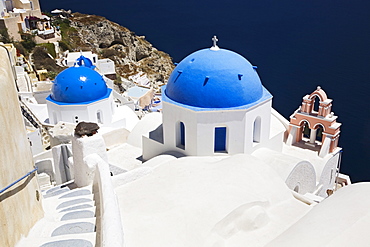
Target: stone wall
{"x":20,"y":205}
{"x":11,"y":23}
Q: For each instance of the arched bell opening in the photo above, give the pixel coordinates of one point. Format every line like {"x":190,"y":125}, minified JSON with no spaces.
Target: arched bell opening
{"x":306,"y":131}
{"x":319,"y":133}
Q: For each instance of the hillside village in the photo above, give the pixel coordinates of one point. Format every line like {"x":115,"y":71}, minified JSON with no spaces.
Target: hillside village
{"x":108,"y":143}
{"x":135,"y":59}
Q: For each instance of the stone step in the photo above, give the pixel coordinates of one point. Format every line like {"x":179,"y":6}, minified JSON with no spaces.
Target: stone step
{"x":56,"y":188}
{"x":78,"y":240}
{"x":63,"y":198}
{"x":69,"y":219}
{"x":46,"y":228}
{"x":76,"y":214}
{"x":55,"y":192}
{"x":53,"y":207}
{"x":64,"y":204}
{"x":77,"y":206}
{"x":63,"y":190}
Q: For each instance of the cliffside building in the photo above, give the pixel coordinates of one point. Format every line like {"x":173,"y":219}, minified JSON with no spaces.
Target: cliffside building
{"x":22,"y":16}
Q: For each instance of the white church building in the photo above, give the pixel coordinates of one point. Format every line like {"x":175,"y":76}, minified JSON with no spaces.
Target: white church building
{"x":80,"y":93}
{"x":214,"y":104}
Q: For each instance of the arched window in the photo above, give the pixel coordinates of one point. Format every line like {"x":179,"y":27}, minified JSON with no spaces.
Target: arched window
{"x":99,"y":116}
{"x":180,"y":142}
{"x":257,"y":130}
{"x":220,"y":139}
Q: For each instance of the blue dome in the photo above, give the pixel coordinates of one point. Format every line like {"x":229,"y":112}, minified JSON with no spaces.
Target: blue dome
{"x":214,"y":79}
{"x":84,"y":61}
{"x":78,"y":84}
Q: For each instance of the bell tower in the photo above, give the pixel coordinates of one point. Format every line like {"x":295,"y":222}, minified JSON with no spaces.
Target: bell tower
{"x":314,"y":125}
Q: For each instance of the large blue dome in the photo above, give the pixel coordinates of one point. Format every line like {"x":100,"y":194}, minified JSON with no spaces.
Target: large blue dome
{"x":77,"y":85}
{"x":214,"y":79}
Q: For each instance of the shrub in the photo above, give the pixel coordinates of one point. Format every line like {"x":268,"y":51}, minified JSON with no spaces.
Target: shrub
{"x":42,"y":60}
{"x":51,"y":75}
{"x":64,"y":46}
{"x":27,"y":42}
{"x":4,"y":36}
{"x":20,"y":48}
{"x":50,"y":47}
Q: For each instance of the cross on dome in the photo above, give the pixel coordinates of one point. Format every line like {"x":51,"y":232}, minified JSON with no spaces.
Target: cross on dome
{"x":215,"y":47}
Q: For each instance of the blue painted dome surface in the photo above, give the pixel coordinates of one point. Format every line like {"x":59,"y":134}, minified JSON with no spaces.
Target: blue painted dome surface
{"x":214,"y":79}
{"x":77,"y":85}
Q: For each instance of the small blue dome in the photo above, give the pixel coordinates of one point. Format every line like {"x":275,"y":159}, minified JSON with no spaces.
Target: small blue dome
{"x":214,"y":79}
{"x":78,"y":84}
{"x":84,"y":61}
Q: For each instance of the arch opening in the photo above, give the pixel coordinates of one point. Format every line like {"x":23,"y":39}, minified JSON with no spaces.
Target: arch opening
{"x":180,"y":138}
{"x":296,"y":188}
{"x":257,"y":130}
{"x":316,"y":104}
{"x":319,"y":131}
{"x":306,"y":132}
{"x":99,"y":116}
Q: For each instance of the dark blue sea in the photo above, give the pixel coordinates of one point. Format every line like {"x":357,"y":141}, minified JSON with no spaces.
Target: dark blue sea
{"x":296,"y":44}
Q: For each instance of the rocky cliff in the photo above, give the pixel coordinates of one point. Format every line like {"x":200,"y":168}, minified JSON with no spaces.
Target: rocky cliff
{"x":132,"y":54}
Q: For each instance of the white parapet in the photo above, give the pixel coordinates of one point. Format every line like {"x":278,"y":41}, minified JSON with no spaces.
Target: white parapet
{"x":110,"y":231}
{"x":83,"y":147}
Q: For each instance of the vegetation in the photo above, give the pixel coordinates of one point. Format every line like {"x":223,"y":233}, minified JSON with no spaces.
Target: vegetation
{"x":42,"y":60}
{"x":118,"y":80}
{"x":64,"y":46}
{"x":50,"y":47}
{"x":20,"y":48}
{"x":28,"y":42}
{"x":70,"y":39}
{"x":4,"y":36}
{"x":51,"y":74}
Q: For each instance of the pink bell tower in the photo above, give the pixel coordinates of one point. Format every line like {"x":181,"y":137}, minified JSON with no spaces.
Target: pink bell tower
{"x":314,"y":125}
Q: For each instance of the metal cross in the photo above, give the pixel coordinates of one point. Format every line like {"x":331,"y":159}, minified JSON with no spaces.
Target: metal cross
{"x":214,"y":39}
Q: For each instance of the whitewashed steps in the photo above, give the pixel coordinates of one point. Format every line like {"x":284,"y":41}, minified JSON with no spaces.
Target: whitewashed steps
{"x":69,"y":219}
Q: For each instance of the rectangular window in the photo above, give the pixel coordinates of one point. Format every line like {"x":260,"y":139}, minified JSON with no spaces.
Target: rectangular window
{"x":220,"y":139}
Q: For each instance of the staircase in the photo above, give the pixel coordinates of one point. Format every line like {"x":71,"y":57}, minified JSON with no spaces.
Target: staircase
{"x":69,"y":219}
{"x":32,"y":119}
